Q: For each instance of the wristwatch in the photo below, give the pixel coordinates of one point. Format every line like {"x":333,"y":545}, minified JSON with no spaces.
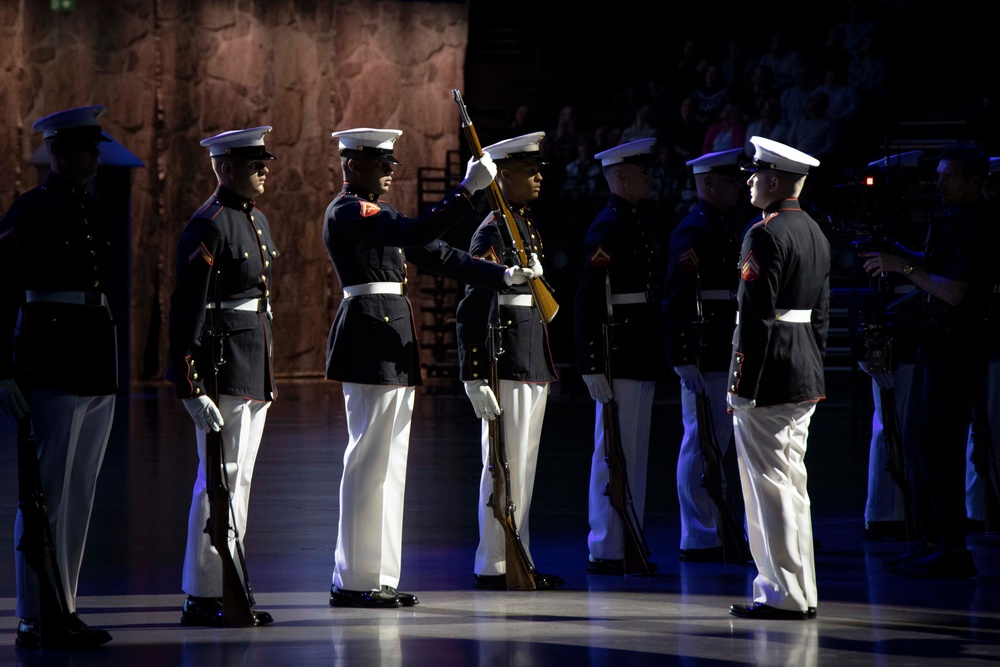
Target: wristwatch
{"x":907,"y":270}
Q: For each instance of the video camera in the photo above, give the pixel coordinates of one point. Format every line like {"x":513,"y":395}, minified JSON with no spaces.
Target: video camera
{"x":874,"y":206}
{"x":871,"y":213}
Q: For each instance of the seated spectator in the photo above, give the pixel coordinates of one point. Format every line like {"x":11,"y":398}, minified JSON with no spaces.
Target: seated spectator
{"x":727,"y":132}
{"x":768,"y":123}
{"x":642,"y":127}
{"x":711,"y":95}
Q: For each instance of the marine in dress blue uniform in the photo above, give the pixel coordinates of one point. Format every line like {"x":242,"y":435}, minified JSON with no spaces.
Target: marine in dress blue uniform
{"x":619,"y":256}
{"x":525,"y":367}
{"x":702,"y":269}
{"x":776,"y":379}
{"x":372,"y":350}
{"x":58,"y":353}
{"x":224,"y":263}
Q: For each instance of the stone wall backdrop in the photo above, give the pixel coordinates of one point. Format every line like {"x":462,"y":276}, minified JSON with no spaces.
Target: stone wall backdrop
{"x":172,"y":72}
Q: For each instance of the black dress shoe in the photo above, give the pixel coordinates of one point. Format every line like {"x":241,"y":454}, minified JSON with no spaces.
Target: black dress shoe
{"x":28,"y":634}
{"x":811,"y":612}
{"x":405,"y":599}
{"x":202,"y":612}
{"x":73,"y":633}
{"x":759,"y":610}
{"x":545,"y":582}
{"x":491,"y":582}
{"x":498,"y":582}
{"x":208,"y":613}
{"x":605,"y":566}
{"x":377,"y":598}
{"x":709,"y":555}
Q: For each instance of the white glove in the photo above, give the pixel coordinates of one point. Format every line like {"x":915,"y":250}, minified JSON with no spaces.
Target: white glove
{"x":598,"y":386}
{"x":484,"y":401}
{"x":204,"y":412}
{"x":12,"y":402}
{"x":739,"y":403}
{"x":518,"y":275}
{"x":479,"y":173}
{"x":535,"y":266}
{"x":691,"y":377}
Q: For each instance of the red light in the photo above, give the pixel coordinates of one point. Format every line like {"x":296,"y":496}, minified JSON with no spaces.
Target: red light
{"x":869,"y":180}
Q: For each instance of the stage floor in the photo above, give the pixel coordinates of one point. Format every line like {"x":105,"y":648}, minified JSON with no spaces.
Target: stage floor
{"x":131,"y":573}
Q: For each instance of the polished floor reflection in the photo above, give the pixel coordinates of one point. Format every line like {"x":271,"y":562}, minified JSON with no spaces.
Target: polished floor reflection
{"x":131,"y":573}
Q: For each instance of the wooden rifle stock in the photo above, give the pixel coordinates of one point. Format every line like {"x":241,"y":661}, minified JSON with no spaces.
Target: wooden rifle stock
{"x":895,"y":462}
{"x":735,"y":548}
{"x":237,"y":596}
{"x":985,"y":463}
{"x":520,"y":571}
{"x":36,"y":543}
{"x":540,"y":292}
{"x":636,"y":550}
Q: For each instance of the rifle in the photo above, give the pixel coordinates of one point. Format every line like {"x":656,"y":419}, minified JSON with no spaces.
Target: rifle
{"x":237,"y":595}
{"x":36,"y":541}
{"x":735,"y":548}
{"x":894,"y":461}
{"x":985,"y":462}
{"x":637,"y":552}
{"x":520,"y":570}
{"x":540,"y":291}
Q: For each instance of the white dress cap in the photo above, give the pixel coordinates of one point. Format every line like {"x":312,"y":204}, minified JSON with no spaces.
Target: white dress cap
{"x":718,"y":161}
{"x":634,"y":152}
{"x":525,"y":147}
{"x":81,"y":122}
{"x":771,"y":154}
{"x":248,"y":143}
{"x":371,"y":141}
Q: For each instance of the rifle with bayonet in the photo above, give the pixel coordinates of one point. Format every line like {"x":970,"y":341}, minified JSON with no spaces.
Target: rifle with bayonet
{"x":520,"y":571}
{"x":36,"y":543}
{"x":540,"y":291}
{"x":237,"y":595}
{"x":636,"y":550}
{"x":735,"y":547}
{"x":985,"y":462}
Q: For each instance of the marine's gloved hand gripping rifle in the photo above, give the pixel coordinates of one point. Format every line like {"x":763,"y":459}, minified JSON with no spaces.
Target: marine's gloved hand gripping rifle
{"x":520,"y":570}
{"x":237,"y":595}
{"x":735,"y":548}
{"x":540,"y":291}
{"x":636,"y":550}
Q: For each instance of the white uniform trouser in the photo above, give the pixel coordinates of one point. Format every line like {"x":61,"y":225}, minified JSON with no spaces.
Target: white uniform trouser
{"x":71,"y":433}
{"x":635,"y":407}
{"x":243,"y":425}
{"x":975,"y":500}
{"x":699,"y":513}
{"x":370,"y":532}
{"x":885,"y":500}
{"x":771,"y":448}
{"x":523,"y":406}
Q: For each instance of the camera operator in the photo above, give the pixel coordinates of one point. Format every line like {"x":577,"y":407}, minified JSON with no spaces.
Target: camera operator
{"x":884,"y":341}
{"x":980,"y":496}
{"x":955,"y":274}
